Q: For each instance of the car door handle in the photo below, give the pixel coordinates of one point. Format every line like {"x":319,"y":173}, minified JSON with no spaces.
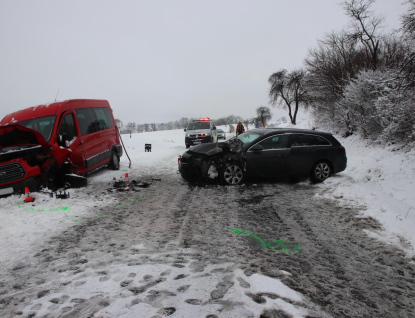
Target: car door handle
{"x":80,"y":143}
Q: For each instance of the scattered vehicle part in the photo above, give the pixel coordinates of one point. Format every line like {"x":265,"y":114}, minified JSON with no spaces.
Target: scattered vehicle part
{"x":62,"y":195}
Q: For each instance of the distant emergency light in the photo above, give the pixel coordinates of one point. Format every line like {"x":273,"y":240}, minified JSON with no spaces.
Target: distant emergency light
{"x":204,"y":119}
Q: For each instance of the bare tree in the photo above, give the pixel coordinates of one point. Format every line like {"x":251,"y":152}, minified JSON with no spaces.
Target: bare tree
{"x":263,"y":114}
{"x":183,"y":122}
{"x":131,"y":127}
{"x":408,"y":28}
{"x":288,"y":89}
{"x":246,"y":122}
{"x":365,"y":27}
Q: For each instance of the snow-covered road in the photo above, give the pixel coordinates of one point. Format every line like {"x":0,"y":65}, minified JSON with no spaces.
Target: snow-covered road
{"x":180,"y":250}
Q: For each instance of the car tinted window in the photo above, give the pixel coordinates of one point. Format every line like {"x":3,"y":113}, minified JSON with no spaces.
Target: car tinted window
{"x":68,"y":127}
{"x":301,"y":140}
{"x":275,"y":142}
{"x":87,"y":121}
{"x":320,"y":141}
{"x":248,"y":137}
{"x":44,"y":125}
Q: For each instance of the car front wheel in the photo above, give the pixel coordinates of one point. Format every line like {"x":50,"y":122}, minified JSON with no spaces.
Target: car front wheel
{"x":320,"y":172}
{"x":233,"y":174}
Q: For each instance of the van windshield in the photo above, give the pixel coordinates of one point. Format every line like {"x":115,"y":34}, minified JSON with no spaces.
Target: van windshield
{"x":199,"y":125}
{"x":44,"y":125}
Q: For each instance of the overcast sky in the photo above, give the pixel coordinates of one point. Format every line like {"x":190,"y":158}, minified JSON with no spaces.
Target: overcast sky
{"x":160,"y":60}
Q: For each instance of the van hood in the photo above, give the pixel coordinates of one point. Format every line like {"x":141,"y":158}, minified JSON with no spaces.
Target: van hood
{"x":19,"y":136}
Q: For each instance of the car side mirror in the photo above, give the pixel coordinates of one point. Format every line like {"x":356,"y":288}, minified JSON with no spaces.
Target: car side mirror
{"x":214,"y":128}
{"x":185,"y":129}
{"x":257,"y":148}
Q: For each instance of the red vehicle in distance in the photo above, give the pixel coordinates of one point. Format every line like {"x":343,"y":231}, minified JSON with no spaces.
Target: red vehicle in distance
{"x":47,"y":145}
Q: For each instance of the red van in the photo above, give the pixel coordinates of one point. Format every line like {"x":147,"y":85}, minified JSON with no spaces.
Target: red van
{"x":41,"y":145}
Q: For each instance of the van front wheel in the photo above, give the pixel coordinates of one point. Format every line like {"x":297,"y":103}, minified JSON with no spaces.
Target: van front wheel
{"x":115,"y":161}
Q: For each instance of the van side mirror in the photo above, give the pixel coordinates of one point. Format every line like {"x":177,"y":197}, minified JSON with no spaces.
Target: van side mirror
{"x":185,"y":129}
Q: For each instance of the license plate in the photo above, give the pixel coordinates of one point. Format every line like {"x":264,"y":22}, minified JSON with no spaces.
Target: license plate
{"x":6,"y":191}
{"x":197,"y":142}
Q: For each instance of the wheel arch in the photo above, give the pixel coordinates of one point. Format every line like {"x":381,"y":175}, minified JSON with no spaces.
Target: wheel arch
{"x":311,"y":173}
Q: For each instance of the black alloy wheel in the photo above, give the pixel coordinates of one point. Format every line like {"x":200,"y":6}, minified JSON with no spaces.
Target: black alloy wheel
{"x":233,"y":174}
{"x":320,"y":171}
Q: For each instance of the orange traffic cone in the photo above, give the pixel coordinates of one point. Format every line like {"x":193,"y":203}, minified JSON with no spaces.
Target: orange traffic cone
{"x":28,"y":198}
{"x":126,"y":180}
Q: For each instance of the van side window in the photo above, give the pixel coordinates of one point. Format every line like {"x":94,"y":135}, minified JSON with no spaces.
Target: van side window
{"x":68,"y":127}
{"x":87,"y":121}
{"x":104,"y":118}
{"x":108,"y":116}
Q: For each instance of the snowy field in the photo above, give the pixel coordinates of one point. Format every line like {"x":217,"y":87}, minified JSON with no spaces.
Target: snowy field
{"x":380,"y":182}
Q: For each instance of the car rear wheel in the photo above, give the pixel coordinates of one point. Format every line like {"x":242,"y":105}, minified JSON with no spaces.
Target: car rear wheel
{"x":115,"y":161}
{"x":320,"y":172}
{"x":233,"y":174}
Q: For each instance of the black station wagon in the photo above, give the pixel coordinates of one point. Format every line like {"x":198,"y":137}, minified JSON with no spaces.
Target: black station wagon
{"x":266,"y":153}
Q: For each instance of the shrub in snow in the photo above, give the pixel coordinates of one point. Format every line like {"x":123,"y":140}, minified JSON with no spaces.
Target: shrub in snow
{"x":375,"y":106}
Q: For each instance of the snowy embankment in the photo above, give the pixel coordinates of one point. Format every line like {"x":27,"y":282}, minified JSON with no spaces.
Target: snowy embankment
{"x":381,"y":181}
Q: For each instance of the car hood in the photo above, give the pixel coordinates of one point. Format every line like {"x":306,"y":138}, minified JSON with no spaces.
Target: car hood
{"x":16,"y":135}
{"x":206,"y":149}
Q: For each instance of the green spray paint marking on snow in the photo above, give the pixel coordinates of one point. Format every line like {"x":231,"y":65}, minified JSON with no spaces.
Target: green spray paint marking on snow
{"x":275,"y":245}
{"x":64,"y":208}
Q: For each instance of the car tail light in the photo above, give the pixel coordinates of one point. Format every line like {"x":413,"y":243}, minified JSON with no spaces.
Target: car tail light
{"x":179,"y":159}
{"x":202,"y":135}
{"x":342,"y":149}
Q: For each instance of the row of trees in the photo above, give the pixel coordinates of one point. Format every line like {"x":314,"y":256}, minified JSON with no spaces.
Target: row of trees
{"x":263,"y":115}
{"x":357,"y":80}
{"x":182,"y":123}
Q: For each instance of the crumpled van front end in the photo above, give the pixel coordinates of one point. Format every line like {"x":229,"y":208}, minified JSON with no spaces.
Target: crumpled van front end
{"x":24,"y":157}
{"x":56,"y":145}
